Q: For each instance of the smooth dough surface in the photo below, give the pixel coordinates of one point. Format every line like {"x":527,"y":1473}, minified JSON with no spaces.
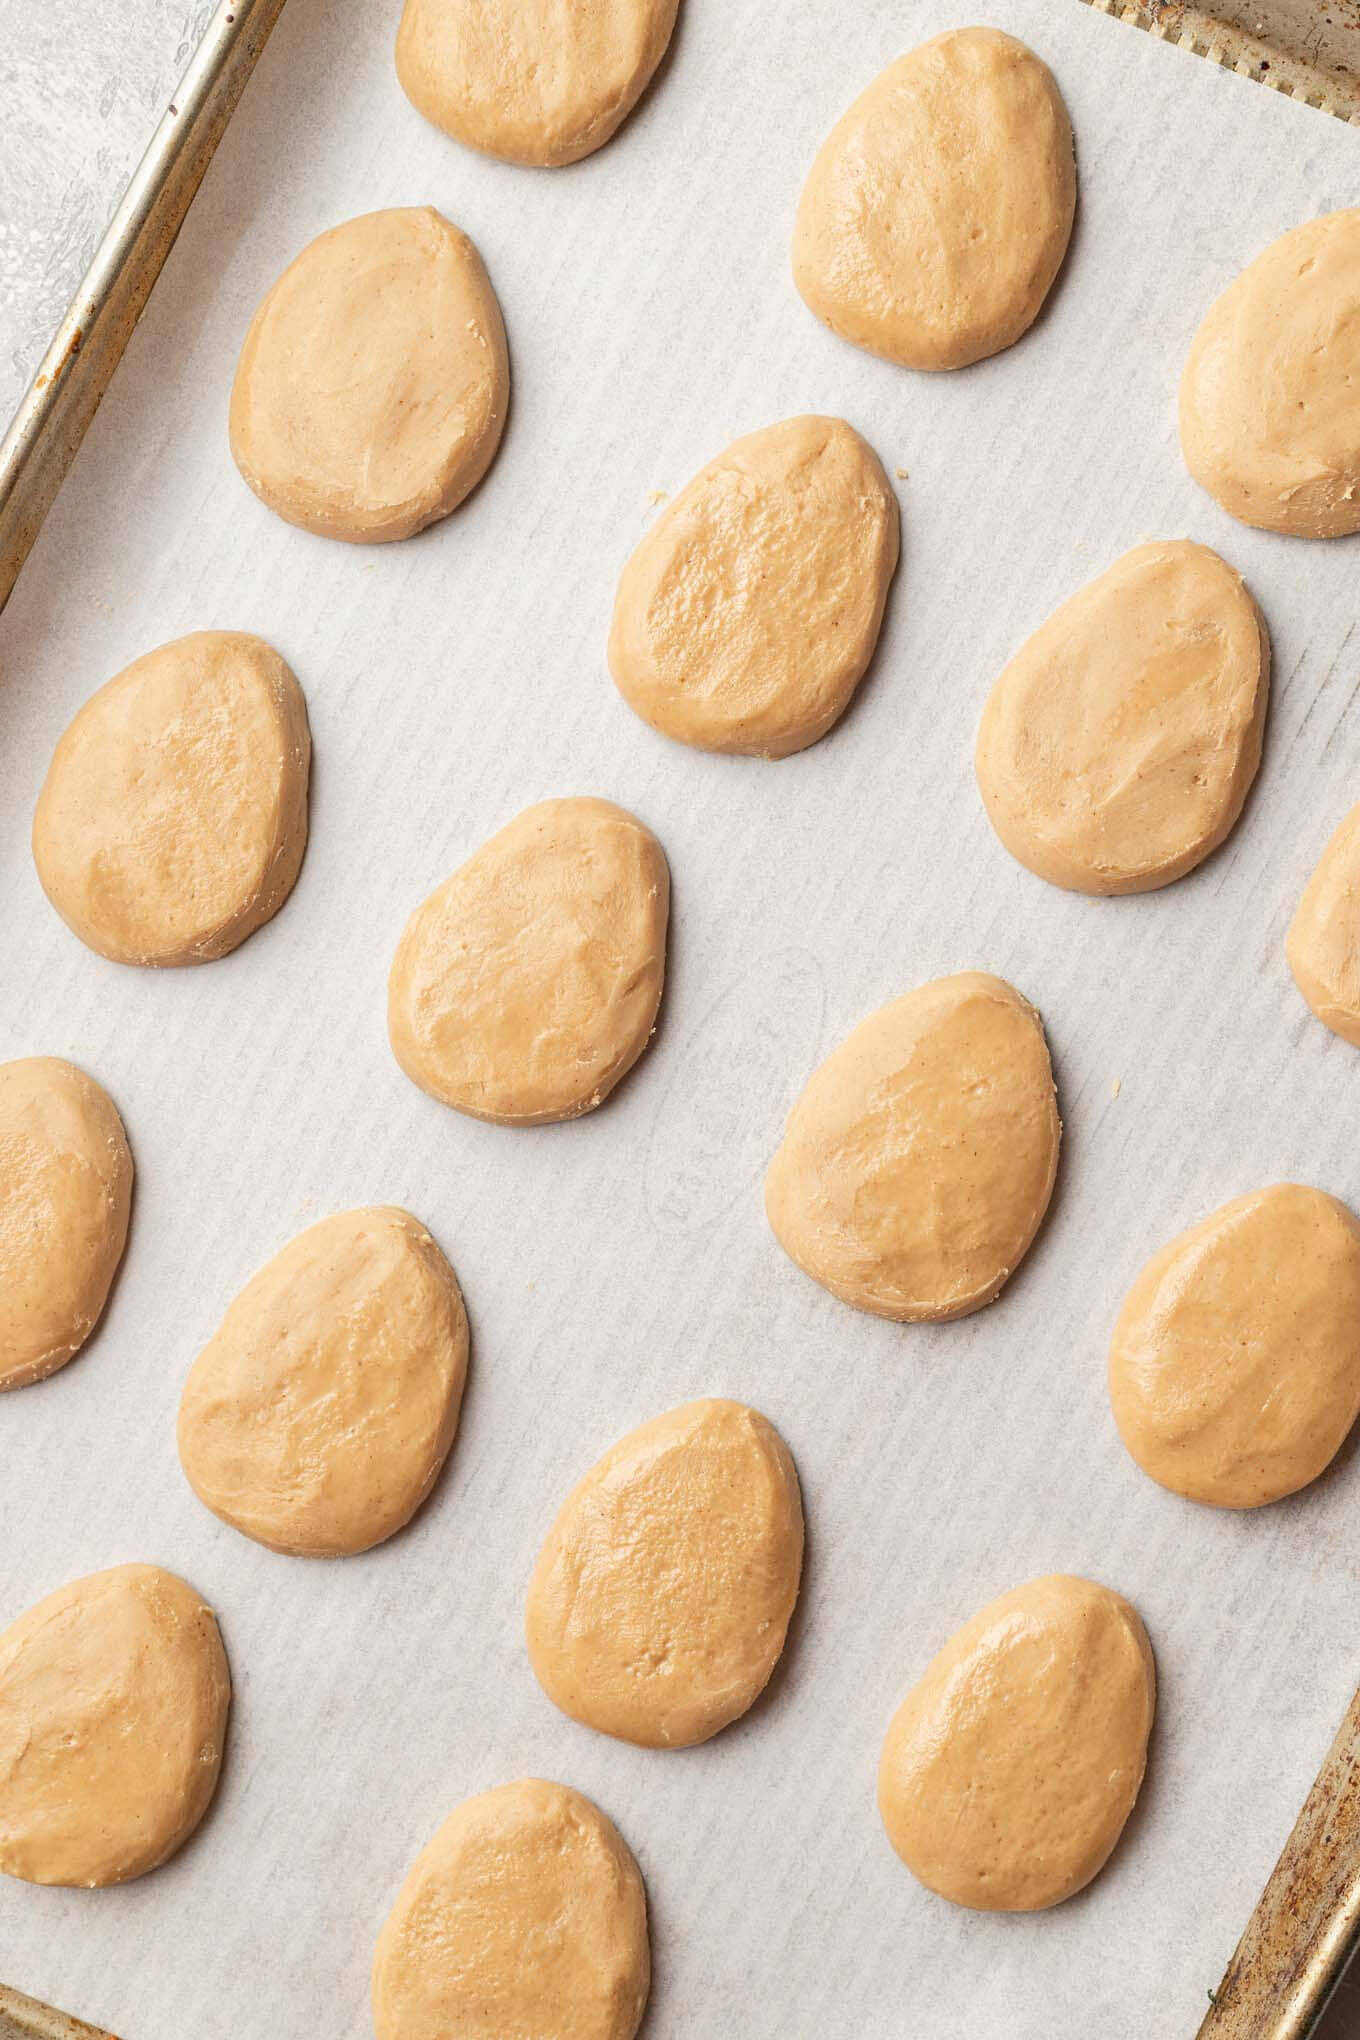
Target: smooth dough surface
{"x":1009,"y":1770}
{"x":1235,"y":1363}
{"x":173,"y":819}
{"x":523,"y":1919}
{"x":747,"y":617}
{"x":938,"y":212}
{"x":528,"y":984}
{"x":113,"y":1706}
{"x":917,"y":1165}
{"x":65,"y":1195}
{"x":1118,"y":746}
{"x":660,"y":1601}
{"x":1323,"y":946}
{"x":1270,"y":396}
{"x":318,"y":1416}
{"x":373,"y":385}
{"x":531,"y":81}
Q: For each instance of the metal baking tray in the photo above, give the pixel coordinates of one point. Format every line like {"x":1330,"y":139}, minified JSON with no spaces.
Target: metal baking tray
{"x":1306,"y":49}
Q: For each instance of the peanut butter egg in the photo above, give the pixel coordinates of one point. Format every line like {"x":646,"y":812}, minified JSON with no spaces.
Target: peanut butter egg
{"x":748,"y":615}
{"x":918,"y":1163}
{"x":1270,"y":396}
{"x":659,"y":1604}
{"x":1235,"y":1363}
{"x":1009,"y":1770}
{"x":938,"y":211}
{"x":113,"y":1707}
{"x":523,"y":1917}
{"x":536,"y":82}
{"x":65,"y":1196}
{"x":1118,"y":746}
{"x":319,"y":1414}
{"x":1323,"y":946}
{"x":528,"y":984}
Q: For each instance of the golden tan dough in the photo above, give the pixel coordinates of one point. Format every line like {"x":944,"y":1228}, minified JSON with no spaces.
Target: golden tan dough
{"x":528,"y":984}
{"x":65,"y":1195}
{"x":1235,"y":1363}
{"x":318,"y":1416}
{"x":1118,"y":746}
{"x":917,"y":1165}
{"x":747,"y":616}
{"x":938,"y":212}
{"x":1323,"y":945}
{"x":661,"y":1598}
{"x":113,"y":1706}
{"x":1009,"y":1770}
{"x":173,"y":819}
{"x":523,"y":1919}
{"x":531,"y":81}
{"x":372,"y":388}
{"x":1270,"y":396}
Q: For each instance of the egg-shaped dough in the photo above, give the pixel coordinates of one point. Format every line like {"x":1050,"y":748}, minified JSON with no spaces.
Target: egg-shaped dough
{"x":661,"y":1598}
{"x":531,"y":81}
{"x":173,"y":819}
{"x":1009,"y":1770}
{"x":317,"y":1417}
{"x":528,"y":984}
{"x":65,"y":1195}
{"x":523,"y":1918}
{"x":1119,"y":744}
{"x":938,"y":212}
{"x":1235,"y":1363}
{"x":1323,"y":945}
{"x":373,"y":385}
{"x":113,"y":1707}
{"x":1270,"y":396}
{"x":917,"y":1165}
{"x":747,"y":617}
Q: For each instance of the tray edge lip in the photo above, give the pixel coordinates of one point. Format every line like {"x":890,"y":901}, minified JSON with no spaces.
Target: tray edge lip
{"x":1233,"y":49}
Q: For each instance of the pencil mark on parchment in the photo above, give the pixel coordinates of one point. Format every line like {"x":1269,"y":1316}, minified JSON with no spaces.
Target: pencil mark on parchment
{"x":721,"y":1115}
{"x":1335,"y":730}
{"x":1323,"y":683}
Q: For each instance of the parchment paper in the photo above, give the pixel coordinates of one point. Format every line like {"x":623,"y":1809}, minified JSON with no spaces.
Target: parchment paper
{"x":620,"y":1265}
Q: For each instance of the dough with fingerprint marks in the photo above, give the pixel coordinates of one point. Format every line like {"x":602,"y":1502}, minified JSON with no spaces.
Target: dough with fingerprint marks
{"x":527,"y":985}
{"x":65,"y":1196}
{"x":1270,"y":395}
{"x":319,"y":1414}
{"x":531,"y":81}
{"x":937,"y":215}
{"x":1235,"y":1363}
{"x":1009,"y":1770}
{"x":748,"y":615}
{"x":374,"y":381}
{"x":1118,"y":746}
{"x":523,"y":1917}
{"x":917,"y":1165}
{"x":662,"y":1595}
{"x":113,"y":1707}
{"x":173,"y":820}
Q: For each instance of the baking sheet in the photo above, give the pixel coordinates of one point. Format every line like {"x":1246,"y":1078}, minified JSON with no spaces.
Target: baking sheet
{"x":1309,"y":49}
{"x":619,"y":1265}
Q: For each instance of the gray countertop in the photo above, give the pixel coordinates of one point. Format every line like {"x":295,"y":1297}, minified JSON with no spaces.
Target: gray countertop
{"x":83,"y":83}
